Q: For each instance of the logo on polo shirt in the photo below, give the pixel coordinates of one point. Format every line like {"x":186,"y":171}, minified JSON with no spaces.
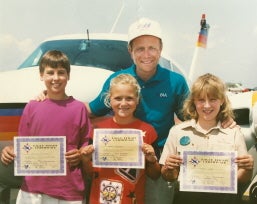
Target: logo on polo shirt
{"x":163,"y":95}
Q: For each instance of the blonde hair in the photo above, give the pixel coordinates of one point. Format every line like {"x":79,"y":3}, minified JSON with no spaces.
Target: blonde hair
{"x":210,"y":86}
{"x":125,"y":79}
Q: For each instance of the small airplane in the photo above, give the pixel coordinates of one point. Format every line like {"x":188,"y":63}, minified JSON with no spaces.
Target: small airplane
{"x":92,"y":61}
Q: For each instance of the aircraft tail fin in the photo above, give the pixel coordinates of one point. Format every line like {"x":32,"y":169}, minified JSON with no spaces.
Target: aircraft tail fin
{"x":195,"y":69}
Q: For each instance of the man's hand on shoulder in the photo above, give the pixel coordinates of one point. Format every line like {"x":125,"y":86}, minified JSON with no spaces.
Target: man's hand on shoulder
{"x":42,"y":96}
{"x":229,"y":123}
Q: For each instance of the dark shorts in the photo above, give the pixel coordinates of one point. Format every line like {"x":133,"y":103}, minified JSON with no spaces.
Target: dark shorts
{"x":205,"y":198}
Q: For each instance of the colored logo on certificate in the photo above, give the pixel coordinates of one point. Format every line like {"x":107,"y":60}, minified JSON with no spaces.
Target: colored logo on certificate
{"x":105,"y":140}
{"x":27,"y":147}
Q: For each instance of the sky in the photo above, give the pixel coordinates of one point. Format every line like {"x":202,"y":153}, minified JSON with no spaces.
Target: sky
{"x":232,"y":42}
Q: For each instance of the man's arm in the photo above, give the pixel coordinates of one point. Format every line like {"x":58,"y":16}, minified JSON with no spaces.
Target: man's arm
{"x":90,"y":114}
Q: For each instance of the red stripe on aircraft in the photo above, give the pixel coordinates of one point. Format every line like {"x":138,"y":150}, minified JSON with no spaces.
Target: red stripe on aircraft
{"x":7,"y":136}
{"x":9,"y":123}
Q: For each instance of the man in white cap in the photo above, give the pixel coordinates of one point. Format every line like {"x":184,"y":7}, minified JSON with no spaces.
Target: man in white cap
{"x":163,"y":92}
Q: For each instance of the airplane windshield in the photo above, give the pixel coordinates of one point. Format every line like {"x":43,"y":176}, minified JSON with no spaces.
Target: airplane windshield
{"x":107,"y":54}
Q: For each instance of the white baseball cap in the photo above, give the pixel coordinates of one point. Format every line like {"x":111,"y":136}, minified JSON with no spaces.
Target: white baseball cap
{"x":144,"y":26}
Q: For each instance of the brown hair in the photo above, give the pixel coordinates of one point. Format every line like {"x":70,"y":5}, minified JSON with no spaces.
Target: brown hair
{"x":210,"y":86}
{"x":54,"y":59}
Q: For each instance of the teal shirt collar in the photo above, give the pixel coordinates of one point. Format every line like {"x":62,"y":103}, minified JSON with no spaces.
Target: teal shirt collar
{"x":156,"y":77}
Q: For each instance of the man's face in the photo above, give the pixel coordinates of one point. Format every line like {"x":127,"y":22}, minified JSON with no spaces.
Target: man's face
{"x":145,"y":52}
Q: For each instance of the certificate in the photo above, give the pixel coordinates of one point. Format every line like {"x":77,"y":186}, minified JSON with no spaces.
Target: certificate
{"x":208,"y":171}
{"x":40,"y":156}
{"x":118,"y":148}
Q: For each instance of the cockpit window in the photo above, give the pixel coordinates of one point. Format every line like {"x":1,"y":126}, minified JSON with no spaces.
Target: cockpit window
{"x":107,"y":54}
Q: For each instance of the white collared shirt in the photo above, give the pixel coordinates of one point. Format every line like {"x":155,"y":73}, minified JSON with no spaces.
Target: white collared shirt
{"x":215,"y":139}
